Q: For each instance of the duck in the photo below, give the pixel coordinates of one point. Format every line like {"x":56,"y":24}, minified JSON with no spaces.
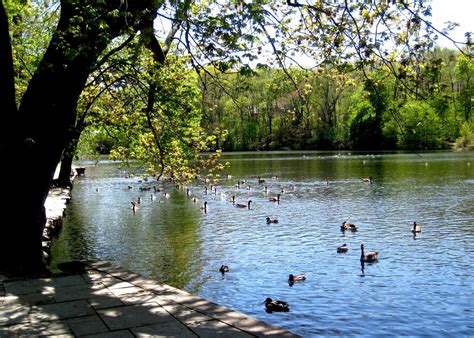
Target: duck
{"x":416,"y":228}
{"x":370,"y":256}
{"x":271,"y":220}
{"x":343,"y":248}
{"x":244,"y":206}
{"x":296,"y":278}
{"x":223,"y":269}
{"x":348,"y":226}
{"x":275,"y":198}
{"x":276,"y":305}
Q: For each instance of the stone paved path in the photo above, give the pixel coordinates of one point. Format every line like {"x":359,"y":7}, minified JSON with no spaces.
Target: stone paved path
{"x":98,"y":299}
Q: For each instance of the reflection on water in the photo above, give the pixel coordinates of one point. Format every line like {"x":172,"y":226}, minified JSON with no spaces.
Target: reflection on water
{"x":421,"y":285}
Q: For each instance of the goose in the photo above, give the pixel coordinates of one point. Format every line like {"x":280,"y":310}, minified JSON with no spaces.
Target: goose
{"x":348,"y":226}
{"x":232,"y":199}
{"x":152,"y":197}
{"x":194,"y":200}
{"x":370,"y":256}
{"x":367,"y":179}
{"x":244,"y":206}
{"x":342,"y":248}
{"x":260,"y":181}
{"x":223,"y":269}
{"x":276,"y":305}
{"x":139,"y":200}
{"x":134,"y":206}
{"x":416,"y":228}
{"x":275,"y":198}
{"x":204,"y":206}
{"x":296,"y":278}
{"x":166,"y":195}
{"x":271,"y":220}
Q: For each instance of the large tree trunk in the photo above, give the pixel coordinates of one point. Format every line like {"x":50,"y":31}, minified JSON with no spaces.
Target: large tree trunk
{"x":64,"y":177}
{"x":39,"y":131}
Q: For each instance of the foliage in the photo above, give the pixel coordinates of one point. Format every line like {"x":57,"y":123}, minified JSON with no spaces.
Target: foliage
{"x":466,"y":138}
{"x":422,"y":127}
{"x":350,"y":109}
{"x":168,"y":138}
{"x":363,"y":125}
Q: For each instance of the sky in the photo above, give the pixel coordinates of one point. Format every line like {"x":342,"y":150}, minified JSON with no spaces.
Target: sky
{"x":460,"y":11}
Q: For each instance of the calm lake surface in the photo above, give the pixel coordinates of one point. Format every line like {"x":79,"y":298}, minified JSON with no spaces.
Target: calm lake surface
{"x":421,"y":286}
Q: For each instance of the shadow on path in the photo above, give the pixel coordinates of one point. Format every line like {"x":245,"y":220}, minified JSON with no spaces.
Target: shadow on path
{"x":96,"y":298}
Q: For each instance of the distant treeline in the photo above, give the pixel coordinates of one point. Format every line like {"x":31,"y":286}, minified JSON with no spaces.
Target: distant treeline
{"x":404,"y":107}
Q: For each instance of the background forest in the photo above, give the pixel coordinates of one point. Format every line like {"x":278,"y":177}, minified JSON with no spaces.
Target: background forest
{"x":265,"y":108}
{"x":427,"y":107}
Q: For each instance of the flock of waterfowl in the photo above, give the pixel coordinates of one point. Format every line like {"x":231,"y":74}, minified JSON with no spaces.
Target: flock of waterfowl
{"x":270,"y":304}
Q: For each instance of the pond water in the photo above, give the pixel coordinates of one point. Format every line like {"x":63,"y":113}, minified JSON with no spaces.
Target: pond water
{"x":422,"y":285}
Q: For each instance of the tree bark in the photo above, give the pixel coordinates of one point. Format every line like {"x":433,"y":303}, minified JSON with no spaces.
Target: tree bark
{"x":38,"y":133}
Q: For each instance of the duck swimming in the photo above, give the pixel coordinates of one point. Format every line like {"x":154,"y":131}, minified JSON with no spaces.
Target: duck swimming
{"x":296,"y":278}
{"x":342,"y":248}
{"x":370,"y":256}
{"x":348,"y":226}
{"x":416,"y":228}
{"x":244,"y":206}
{"x":223,"y":269}
{"x":275,"y":198}
{"x":271,"y":220}
{"x":276,"y":305}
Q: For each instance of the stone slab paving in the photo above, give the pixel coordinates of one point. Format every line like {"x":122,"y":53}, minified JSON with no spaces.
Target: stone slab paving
{"x":98,"y":299}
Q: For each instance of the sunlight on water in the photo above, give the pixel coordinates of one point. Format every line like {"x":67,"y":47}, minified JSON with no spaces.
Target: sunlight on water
{"x":421,"y":285}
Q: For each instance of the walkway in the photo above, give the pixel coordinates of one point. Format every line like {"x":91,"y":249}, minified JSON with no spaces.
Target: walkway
{"x":100,"y":300}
